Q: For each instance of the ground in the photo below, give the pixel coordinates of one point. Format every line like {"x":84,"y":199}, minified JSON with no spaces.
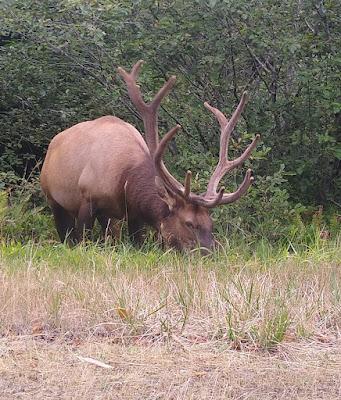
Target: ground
{"x":32,"y":368}
{"x":104,"y":323}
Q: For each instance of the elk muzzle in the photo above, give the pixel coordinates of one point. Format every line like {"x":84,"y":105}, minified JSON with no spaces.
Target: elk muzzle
{"x":206,"y":242}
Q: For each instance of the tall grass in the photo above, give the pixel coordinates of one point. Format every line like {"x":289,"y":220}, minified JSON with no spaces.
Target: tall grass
{"x":235,"y":297}
{"x":250,"y":293}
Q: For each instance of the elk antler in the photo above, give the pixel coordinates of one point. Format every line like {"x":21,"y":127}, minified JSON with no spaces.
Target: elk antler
{"x":211,"y":198}
{"x":224,"y":164}
{"x":149,"y":111}
{"x":173,"y":184}
{"x":149,"y":115}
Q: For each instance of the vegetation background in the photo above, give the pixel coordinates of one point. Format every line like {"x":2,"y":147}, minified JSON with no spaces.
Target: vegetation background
{"x":58,"y":63}
{"x":258,"y":318}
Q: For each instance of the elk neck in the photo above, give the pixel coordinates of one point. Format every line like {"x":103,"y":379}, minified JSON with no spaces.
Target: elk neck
{"x":143,"y":201}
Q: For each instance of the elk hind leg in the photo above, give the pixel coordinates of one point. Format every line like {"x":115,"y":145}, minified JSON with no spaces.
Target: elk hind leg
{"x":65,"y":223}
{"x":85,"y":219}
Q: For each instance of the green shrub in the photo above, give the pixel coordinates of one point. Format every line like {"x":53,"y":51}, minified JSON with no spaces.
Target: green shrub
{"x":23,"y":215}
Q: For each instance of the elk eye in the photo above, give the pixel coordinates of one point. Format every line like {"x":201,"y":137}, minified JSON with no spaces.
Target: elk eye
{"x":189,"y":224}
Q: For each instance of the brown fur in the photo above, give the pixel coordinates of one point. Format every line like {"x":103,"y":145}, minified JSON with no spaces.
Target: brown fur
{"x":187,"y":225}
{"x":103,"y":169}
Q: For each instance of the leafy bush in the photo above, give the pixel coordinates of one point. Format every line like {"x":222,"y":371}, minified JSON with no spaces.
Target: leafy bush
{"x":59,"y":58}
{"x":264,"y":212}
{"x":58,"y":62}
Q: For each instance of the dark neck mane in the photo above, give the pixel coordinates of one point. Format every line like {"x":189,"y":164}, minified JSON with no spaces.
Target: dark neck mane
{"x":143,"y":201}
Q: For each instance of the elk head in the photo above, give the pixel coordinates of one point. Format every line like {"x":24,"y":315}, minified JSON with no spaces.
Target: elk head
{"x":188,"y":223}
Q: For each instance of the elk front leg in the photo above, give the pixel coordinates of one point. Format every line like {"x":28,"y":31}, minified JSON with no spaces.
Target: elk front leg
{"x":136,"y":232}
{"x":111,"y":227}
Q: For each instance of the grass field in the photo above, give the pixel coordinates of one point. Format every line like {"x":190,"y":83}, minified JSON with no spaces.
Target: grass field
{"x":97,"y":322}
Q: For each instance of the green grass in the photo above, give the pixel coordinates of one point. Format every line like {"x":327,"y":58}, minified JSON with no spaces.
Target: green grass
{"x":250,"y":293}
{"x":95,"y":255}
{"x":242,"y":295}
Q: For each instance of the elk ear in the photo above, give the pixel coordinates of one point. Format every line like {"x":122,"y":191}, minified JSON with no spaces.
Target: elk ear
{"x":164,"y":194}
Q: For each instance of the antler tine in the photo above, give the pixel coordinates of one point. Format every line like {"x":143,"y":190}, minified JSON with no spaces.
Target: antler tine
{"x":238,"y":161}
{"x":231,"y":197}
{"x":148,"y":111}
{"x":235,"y":116}
{"x":136,"y":69}
{"x":166,"y":88}
{"x":133,"y":89}
{"x":164,"y":174}
{"x":164,"y":142}
{"x":130,"y":79}
{"x":133,"y":74}
{"x":223,"y":122}
{"x":228,"y":129}
{"x":219,"y":115}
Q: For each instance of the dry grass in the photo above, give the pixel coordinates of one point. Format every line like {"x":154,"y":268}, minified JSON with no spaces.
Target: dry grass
{"x":34,"y":369}
{"x":169,"y":327}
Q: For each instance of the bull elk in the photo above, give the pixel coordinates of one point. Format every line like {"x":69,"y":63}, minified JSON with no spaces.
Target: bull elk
{"x":104,"y":169}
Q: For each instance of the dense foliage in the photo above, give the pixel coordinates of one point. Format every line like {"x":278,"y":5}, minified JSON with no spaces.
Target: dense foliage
{"x":58,"y":63}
